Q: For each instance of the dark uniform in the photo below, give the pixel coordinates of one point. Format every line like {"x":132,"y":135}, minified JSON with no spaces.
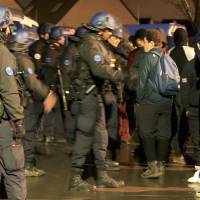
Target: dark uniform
{"x":69,"y":69}
{"x":190,"y":93}
{"x":51,"y":59}
{"x":95,"y":66}
{"x":34,"y":91}
{"x":36,"y":51}
{"x":116,"y":97}
{"x":11,"y":150}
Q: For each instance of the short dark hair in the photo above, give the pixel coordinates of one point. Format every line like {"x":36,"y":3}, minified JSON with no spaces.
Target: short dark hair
{"x":155,"y":35}
{"x":139,"y":34}
{"x":180,"y":37}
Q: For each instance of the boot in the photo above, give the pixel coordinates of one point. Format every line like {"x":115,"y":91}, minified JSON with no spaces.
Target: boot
{"x":152,"y":171}
{"x":105,"y":181}
{"x":77,"y":183}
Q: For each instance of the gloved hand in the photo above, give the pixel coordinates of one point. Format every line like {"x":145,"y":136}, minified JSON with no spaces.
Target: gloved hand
{"x":18,"y":129}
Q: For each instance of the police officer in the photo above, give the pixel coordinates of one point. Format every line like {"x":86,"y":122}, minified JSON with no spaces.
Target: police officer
{"x":32,"y":88}
{"x":11,"y":125}
{"x":69,"y":69}
{"x":51,"y":73}
{"x":95,"y":66}
{"x":36,"y":49}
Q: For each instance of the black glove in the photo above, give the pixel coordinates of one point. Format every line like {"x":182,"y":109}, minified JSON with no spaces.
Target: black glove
{"x":18,"y":129}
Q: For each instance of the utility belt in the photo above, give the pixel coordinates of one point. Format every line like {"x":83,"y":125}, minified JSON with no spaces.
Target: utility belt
{"x":79,"y":93}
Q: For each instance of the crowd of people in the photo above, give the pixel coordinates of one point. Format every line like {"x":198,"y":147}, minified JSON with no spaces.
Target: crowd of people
{"x":101,"y":82}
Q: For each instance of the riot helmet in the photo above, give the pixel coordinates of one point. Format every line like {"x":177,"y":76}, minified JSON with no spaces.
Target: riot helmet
{"x":102,"y":21}
{"x":20,"y":40}
{"x":5,"y":17}
{"x":81,"y":31}
{"x":45,"y":28}
{"x":59,"y":35}
{"x":118,"y":32}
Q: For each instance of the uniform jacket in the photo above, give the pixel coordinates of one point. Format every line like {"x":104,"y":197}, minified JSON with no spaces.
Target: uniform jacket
{"x":36,"y":51}
{"x":98,"y":61}
{"x":30,"y":80}
{"x":8,"y":85}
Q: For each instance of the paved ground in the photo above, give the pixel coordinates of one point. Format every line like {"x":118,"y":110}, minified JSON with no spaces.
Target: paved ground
{"x":53,"y":186}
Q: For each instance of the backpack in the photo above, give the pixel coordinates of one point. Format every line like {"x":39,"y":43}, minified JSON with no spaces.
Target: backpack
{"x":166,"y":78}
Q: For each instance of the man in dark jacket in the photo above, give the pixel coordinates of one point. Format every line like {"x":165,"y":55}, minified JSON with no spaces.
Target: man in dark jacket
{"x":154,"y":110}
{"x":96,"y":65}
{"x":36,"y":48}
{"x":12,"y":117}
{"x":181,"y":54}
{"x":32,"y":89}
{"x":190,"y":96}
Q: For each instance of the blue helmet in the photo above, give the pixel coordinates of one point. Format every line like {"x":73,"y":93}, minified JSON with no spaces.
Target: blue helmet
{"x":81,"y":31}
{"x":102,"y":20}
{"x":118,"y":32}
{"x":20,"y":39}
{"x":57,"y":32}
{"x":5,"y":17}
{"x":45,"y":28}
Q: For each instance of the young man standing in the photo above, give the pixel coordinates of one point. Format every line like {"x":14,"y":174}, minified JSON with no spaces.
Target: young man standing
{"x":154,"y":110}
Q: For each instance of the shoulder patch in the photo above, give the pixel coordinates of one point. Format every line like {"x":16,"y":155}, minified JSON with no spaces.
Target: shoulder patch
{"x":37,"y":56}
{"x":9,"y":71}
{"x":66,"y":62}
{"x":97,"y":58}
{"x":30,"y":70}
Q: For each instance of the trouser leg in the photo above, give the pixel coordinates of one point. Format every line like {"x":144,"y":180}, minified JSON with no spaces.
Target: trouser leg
{"x":81,"y":148}
{"x":12,"y":164}
{"x":100,"y":142}
{"x":147,"y":120}
{"x":32,"y":119}
{"x":195,"y":135}
{"x":164,"y":133}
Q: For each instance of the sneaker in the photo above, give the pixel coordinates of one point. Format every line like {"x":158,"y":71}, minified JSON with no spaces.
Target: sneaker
{"x":197,"y":167}
{"x":34,"y":172}
{"x":153,"y":171}
{"x":105,"y":181}
{"x":78,"y":184}
{"x":195,"y":178}
{"x":179,"y":160}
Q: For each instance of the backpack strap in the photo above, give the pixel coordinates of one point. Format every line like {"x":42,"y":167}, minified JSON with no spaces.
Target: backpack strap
{"x":157,"y":53}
